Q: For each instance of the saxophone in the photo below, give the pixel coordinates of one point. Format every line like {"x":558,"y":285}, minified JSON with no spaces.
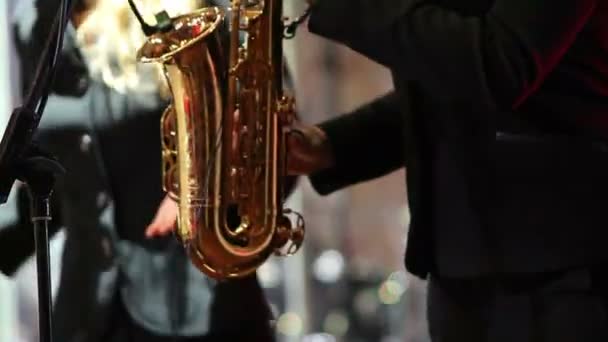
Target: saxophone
{"x":224,"y":134}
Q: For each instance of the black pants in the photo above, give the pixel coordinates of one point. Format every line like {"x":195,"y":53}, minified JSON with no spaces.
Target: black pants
{"x":567,"y":306}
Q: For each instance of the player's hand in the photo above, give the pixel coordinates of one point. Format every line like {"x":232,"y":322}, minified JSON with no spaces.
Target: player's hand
{"x":164,"y":220}
{"x":309,"y":150}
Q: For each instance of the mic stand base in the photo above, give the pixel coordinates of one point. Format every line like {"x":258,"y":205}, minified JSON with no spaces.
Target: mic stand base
{"x":39,"y":172}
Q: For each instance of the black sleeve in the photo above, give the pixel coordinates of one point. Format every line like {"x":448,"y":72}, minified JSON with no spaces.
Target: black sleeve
{"x":494,"y":59}
{"x":17,"y":231}
{"x":366,"y":144}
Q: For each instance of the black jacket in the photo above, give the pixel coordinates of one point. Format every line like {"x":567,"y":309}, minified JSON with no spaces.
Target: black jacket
{"x":499,"y":115}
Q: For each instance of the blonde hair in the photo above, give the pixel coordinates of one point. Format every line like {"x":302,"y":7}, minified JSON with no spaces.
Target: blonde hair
{"x":111,"y":35}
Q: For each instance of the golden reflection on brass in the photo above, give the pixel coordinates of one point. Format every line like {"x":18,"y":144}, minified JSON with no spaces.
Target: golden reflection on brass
{"x":223,"y":136}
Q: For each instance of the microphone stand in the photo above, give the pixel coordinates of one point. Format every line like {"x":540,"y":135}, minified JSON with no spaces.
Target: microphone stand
{"x":39,"y":172}
{"x":22,"y":160}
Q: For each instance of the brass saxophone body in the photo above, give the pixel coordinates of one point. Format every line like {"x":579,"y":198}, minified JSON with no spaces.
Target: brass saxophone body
{"x":223,"y":136}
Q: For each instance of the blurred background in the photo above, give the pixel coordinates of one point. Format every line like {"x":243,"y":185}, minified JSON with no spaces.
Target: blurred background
{"x":348,"y":282}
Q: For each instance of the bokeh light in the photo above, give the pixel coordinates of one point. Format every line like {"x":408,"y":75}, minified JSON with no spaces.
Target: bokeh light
{"x":329,"y":266}
{"x":269,"y":274}
{"x":336,"y":323}
{"x":290,"y":324}
{"x":391,"y":291}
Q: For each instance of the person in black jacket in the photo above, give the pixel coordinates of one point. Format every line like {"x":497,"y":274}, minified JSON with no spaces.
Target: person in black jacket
{"x":117,"y":283}
{"x":499,"y":114}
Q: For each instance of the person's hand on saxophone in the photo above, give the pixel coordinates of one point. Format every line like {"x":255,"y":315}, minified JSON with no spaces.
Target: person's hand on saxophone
{"x":308,"y":149}
{"x":308,"y":152}
{"x":163,"y":222}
